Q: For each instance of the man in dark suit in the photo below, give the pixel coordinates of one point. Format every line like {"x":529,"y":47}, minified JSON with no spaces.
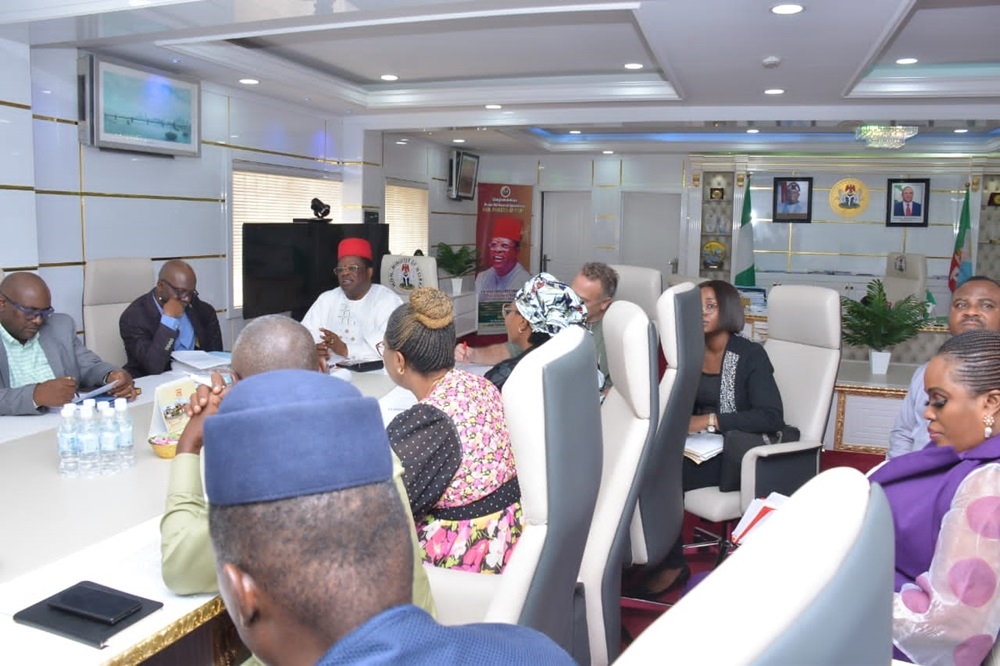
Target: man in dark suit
{"x":42,"y":361}
{"x":907,"y":207}
{"x":169,"y":317}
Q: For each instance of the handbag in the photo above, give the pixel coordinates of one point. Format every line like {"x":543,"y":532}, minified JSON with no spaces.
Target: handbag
{"x":736,"y":443}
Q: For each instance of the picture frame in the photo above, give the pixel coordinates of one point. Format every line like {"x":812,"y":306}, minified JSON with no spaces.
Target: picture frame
{"x":792,"y":199}
{"x":901,"y":192}
{"x":125,"y":107}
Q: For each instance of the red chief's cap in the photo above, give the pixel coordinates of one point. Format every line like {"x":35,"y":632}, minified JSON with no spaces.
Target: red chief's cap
{"x":354,"y":247}
{"x":507,"y":227}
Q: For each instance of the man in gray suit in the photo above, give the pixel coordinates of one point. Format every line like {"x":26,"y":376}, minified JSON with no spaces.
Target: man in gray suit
{"x":42,"y":362}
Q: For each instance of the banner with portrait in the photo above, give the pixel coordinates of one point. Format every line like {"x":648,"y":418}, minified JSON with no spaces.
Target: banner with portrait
{"x":503,"y":239}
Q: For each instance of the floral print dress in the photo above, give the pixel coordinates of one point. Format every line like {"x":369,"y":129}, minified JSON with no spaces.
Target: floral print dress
{"x":460,"y":475}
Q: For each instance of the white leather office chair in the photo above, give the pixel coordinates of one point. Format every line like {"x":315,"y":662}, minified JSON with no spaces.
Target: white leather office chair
{"x":628,"y":420}
{"x":812,"y":586}
{"x":553,"y":414}
{"x":905,"y":275}
{"x":803,"y":345}
{"x":659,"y":511}
{"x":403,"y":273}
{"x":639,"y":285}
{"x":109,"y":286}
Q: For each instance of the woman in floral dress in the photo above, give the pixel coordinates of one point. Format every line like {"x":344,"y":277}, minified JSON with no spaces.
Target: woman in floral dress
{"x":459,"y":469}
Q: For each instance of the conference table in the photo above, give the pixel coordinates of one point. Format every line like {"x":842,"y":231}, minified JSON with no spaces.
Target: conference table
{"x":55,"y":532}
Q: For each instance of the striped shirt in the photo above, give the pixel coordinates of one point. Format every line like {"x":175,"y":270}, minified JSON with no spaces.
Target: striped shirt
{"x":28,"y":363}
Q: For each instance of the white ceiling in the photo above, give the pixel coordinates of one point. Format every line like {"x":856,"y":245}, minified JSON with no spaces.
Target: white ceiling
{"x":559,"y":66}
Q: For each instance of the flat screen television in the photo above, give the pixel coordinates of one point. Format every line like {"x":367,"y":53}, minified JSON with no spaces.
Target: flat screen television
{"x":464,"y":175}
{"x":287,"y":266}
{"x":131,"y":108}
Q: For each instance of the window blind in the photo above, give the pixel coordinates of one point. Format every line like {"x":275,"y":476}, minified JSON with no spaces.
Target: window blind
{"x":406,"y":213}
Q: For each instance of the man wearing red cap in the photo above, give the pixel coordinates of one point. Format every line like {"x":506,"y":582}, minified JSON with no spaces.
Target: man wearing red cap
{"x":350,"y":320}
{"x":504,"y":273}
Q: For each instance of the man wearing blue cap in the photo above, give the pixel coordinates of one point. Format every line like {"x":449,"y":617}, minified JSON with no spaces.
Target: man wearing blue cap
{"x":336,"y":590}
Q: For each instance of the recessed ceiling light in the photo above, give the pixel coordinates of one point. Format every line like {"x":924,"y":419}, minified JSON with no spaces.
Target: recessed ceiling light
{"x":787,"y":9}
{"x":400,"y":143}
{"x":961,"y":130}
{"x":249,"y":82}
{"x":633,"y":65}
{"x":574,"y":131}
{"x":389,"y":77}
{"x":494,"y":107}
{"x":906,"y":61}
{"x":608,"y":152}
{"x":774,"y":91}
{"x":175,"y":60}
{"x":458,"y":140}
{"x":753,"y":130}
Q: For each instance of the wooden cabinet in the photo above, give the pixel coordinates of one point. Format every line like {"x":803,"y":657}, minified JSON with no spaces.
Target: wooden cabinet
{"x":716,"y":236}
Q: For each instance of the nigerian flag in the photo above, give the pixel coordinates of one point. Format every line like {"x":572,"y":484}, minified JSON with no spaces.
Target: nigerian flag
{"x":746,"y":274}
{"x":961,"y":258}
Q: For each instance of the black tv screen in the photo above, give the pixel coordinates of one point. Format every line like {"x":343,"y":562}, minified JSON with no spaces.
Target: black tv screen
{"x":287,"y":266}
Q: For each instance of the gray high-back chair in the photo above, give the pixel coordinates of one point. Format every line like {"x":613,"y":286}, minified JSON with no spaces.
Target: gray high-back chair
{"x":552,"y":406}
{"x":813,"y":585}
{"x":660,"y":508}
{"x":628,"y":416}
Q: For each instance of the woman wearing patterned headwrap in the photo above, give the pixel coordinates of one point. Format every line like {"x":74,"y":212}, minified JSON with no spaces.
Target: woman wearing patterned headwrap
{"x":458,"y":464}
{"x":540,"y":309}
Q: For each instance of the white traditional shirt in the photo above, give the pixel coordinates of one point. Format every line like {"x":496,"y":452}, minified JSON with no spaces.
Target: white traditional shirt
{"x":488,"y":280}
{"x":360,"y":324}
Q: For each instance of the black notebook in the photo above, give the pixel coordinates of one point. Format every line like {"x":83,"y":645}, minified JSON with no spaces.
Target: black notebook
{"x":87,"y":612}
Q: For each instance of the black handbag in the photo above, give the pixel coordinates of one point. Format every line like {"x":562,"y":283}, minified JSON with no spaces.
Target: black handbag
{"x":735,"y":445}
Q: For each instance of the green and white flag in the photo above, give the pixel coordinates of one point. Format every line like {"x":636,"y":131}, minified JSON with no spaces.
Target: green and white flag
{"x":746,"y":273}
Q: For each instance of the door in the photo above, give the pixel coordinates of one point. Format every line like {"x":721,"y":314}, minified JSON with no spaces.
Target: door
{"x":651,"y":231}
{"x":566,"y":221}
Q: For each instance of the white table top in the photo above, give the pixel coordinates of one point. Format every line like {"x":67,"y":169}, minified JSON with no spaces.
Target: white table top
{"x":55,"y":532}
{"x":857,"y":374}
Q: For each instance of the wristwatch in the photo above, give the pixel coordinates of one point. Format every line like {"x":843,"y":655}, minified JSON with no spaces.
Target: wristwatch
{"x":711,"y":423}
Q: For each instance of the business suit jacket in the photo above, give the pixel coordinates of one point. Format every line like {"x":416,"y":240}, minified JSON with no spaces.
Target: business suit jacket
{"x":148,"y":343}
{"x":66,"y":355}
{"x":899,"y":209}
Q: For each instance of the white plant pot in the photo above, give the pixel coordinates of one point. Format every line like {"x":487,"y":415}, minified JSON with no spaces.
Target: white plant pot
{"x":456,"y":286}
{"x":879,"y":361}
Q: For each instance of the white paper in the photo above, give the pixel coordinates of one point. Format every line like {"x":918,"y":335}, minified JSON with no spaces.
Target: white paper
{"x":749,"y":522}
{"x":395,"y":402}
{"x":702,"y":446}
{"x":93,"y":394}
{"x":196,"y":358}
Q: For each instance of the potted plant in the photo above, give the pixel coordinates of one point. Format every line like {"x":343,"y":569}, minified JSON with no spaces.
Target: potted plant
{"x":456,"y":263}
{"x":876,"y":323}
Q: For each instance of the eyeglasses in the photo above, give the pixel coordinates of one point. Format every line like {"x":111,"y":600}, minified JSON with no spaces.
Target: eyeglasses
{"x":711,"y":307}
{"x":507,"y":309}
{"x":380,"y":348}
{"x":29,"y":313}
{"x":181,"y":294}
{"x":502,"y":246}
{"x":344,"y":270}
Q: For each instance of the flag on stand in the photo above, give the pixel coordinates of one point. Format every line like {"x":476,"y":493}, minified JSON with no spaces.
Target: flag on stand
{"x":746,"y":273}
{"x":961,"y":258}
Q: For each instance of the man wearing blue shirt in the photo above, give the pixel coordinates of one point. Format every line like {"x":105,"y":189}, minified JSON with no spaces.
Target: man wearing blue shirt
{"x":170,"y":317}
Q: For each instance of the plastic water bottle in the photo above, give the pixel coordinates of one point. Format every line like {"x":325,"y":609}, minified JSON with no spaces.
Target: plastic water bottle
{"x":108,"y":431}
{"x":126,"y":444}
{"x":69,"y":453}
{"x":90,"y":443}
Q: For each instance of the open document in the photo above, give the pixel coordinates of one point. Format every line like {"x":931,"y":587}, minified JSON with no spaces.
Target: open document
{"x":702,"y":446}
{"x":201,"y":360}
{"x":756,"y":514}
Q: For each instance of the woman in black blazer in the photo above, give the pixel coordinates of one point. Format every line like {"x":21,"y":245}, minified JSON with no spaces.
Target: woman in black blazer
{"x":736,"y":391}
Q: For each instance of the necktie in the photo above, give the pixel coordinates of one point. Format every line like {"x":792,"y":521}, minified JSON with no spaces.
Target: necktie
{"x":907,"y":210}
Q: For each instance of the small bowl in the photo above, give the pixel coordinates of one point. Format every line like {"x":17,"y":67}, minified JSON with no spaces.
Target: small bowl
{"x":164,"y":446}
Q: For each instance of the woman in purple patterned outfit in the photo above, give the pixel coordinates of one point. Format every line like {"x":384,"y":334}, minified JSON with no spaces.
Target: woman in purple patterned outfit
{"x":458,"y":463}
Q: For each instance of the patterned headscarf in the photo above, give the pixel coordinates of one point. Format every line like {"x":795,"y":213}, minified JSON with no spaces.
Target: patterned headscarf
{"x":549,"y":305}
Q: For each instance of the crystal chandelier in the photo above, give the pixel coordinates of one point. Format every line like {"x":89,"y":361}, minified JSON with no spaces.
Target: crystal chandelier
{"x":884,"y":136}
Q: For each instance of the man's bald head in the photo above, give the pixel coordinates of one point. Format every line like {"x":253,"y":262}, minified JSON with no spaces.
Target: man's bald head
{"x":273,"y":342}
{"x":28,"y":291}
{"x":177,"y":280}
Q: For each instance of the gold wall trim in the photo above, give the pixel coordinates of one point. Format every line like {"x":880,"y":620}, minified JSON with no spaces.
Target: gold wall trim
{"x":169,"y":634}
{"x":264,"y":151}
{"x":18,"y":269}
{"x":114,"y":195}
{"x":870,"y":391}
{"x":192,"y":256}
{"x":442,"y":180}
{"x":15,"y":105}
{"x":359,"y":164}
{"x":18,"y":188}
{"x":449,"y":212}
{"x":859,"y":448}
{"x":61,"y":264}
{"x":220,"y":311}
{"x":360,"y":207}
{"x":54,"y":119}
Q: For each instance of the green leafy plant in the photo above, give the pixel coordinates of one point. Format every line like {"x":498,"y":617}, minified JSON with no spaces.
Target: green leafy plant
{"x":456,"y":262}
{"x":876,"y":323}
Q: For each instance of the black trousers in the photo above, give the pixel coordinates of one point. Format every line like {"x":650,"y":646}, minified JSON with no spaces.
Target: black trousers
{"x":708,"y":473}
